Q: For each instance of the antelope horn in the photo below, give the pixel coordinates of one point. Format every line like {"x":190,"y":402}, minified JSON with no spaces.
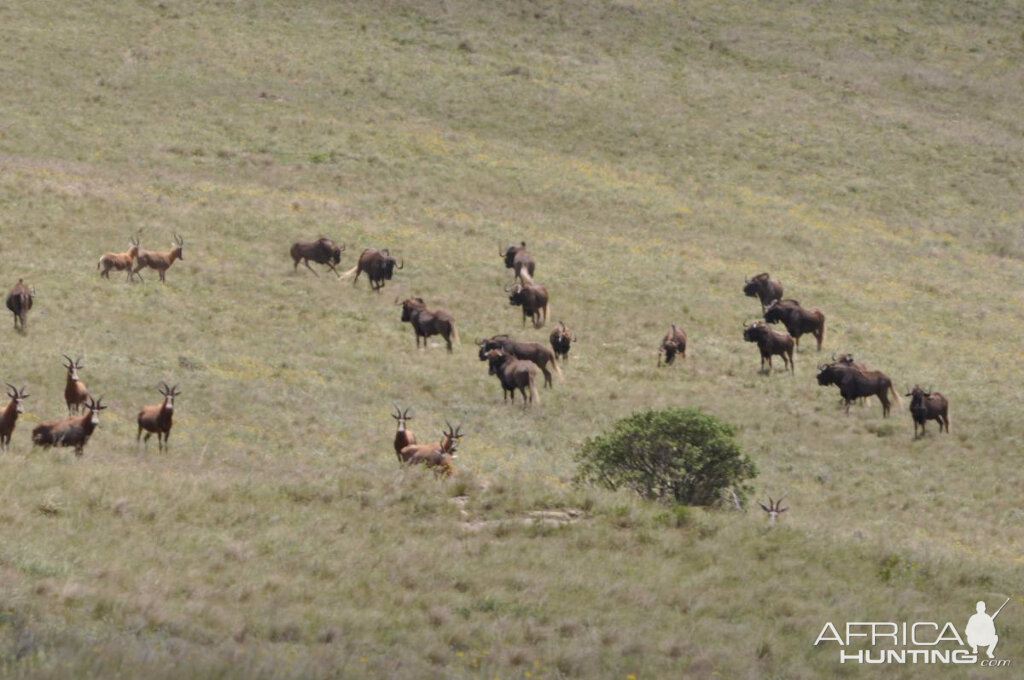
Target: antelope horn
{"x":14,"y":389}
{"x":163,"y":387}
{"x":70,"y":360}
{"x":405,"y":413}
{"x":179,"y":240}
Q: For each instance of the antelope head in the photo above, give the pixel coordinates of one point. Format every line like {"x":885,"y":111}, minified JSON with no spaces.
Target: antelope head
{"x":72,"y":366}
{"x":95,"y":406}
{"x":169,"y":394}
{"x":774,"y":509}
{"x":17,"y":397}
{"x":179,"y":243}
{"x":401,"y":416}
{"x":451,"y":437}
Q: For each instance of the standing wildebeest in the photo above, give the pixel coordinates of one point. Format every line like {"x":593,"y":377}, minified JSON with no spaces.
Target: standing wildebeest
{"x":403,"y":435}
{"x":76,"y":394}
{"x":378,"y":265}
{"x":561,"y":341}
{"x":522,"y":349}
{"x":322,"y":251}
{"x":514,"y":374}
{"x":158,"y":417}
{"x":797,"y":319}
{"x":71,"y":431}
{"x":19,"y":301}
{"x":763,"y":287}
{"x":533,"y":299}
{"x":9,"y":416}
{"x":928,"y":405}
{"x":426,"y":322}
{"x":119,"y":261}
{"x":517,"y":259}
{"x":674,"y":342}
{"x":160,"y":261}
{"x":854,"y":384}
{"x":439,"y":455}
{"x":770,"y":342}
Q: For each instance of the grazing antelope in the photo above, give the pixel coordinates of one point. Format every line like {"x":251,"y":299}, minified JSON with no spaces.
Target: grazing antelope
{"x":9,"y":416}
{"x":561,"y":341}
{"x":71,"y":431}
{"x":439,"y":455}
{"x":19,"y":301}
{"x":160,"y":261}
{"x":514,"y":374}
{"x":403,"y":435}
{"x":926,"y":405}
{"x":119,"y":261}
{"x":158,"y":417}
{"x":673,"y":343}
{"x":774,"y":509}
{"x":76,"y":394}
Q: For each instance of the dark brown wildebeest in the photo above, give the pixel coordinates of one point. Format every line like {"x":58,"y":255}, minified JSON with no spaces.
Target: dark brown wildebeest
{"x":514,"y":374}
{"x":533,"y":299}
{"x":403,"y":435}
{"x":158,"y":418}
{"x":71,"y":431}
{"x":763,"y":287}
{"x":9,"y":416}
{"x":426,"y":322}
{"x":522,"y":349}
{"x":438,"y":456}
{"x":378,"y":265}
{"x":561,"y":341}
{"x":673,"y":343}
{"x":854,"y":384}
{"x":160,"y":261}
{"x":119,"y":261}
{"x":322,"y":251}
{"x":797,"y":319}
{"x":770,"y":342}
{"x":518,"y":260}
{"x":19,"y":301}
{"x":926,"y":405}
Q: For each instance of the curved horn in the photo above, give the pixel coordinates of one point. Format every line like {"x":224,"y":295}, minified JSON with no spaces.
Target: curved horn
{"x":163,"y":388}
{"x":70,"y":361}
{"x":405,"y":413}
{"x":179,"y":240}
{"x":13,"y":389}
{"x":397,"y":415}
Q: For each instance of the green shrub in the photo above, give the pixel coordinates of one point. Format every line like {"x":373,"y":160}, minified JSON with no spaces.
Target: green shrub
{"x":675,"y":455}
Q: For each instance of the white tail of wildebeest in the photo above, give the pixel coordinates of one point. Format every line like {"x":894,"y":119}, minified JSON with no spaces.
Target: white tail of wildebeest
{"x":158,"y":418}
{"x":119,"y":261}
{"x":322,"y":251}
{"x":160,"y":261}
{"x":76,"y":394}
{"x":426,"y":322}
{"x":71,"y":431}
{"x":9,"y":416}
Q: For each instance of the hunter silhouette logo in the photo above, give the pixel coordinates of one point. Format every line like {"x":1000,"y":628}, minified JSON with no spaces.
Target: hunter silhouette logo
{"x":981,"y":631}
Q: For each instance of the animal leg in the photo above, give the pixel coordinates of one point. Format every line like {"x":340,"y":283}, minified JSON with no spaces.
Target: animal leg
{"x":547,"y":376}
{"x":306,"y":262}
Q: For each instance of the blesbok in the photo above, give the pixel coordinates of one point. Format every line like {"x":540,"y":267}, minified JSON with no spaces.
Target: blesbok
{"x":426,"y":322}
{"x":774,"y":509}
{"x":764,"y":288}
{"x":854,"y":383}
{"x":561,"y":341}
{"x":403,"y":435}
{"x":518,"y":260}
{"x":76,"y":394}
{"x":378,"y":265}
{"x":19,"y":301}
{"x":926,"y":405}
{"x":522,"y":349}
{"x":514,"y":374}
{"x":9,"y":416}
{"x":119,"y":261}
{"x":160,"y":261}
{"x":438,"y":456}
{"x":322,"y":251}
{"x":533,"y":299}
{"x":797,"y":319}
{"x":673,"y":343}
{"x":158,"y":418}
{"x":771,"y":343}
{"x":71,"y":431}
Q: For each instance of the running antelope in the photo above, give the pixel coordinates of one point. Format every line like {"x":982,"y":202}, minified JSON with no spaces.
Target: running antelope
{"x":9,"y":416}
{"x":157,"y":417}
{"x":403,"y":435}
{"x":160,"y":261}
{"x":76,"y":394}
{"x":119,"y":261}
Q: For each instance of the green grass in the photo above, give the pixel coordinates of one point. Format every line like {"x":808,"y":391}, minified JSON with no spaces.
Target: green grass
{"x":652,"y":155}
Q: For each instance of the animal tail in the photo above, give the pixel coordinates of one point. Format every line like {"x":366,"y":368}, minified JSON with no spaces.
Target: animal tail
{"x":821,"y":338}
{"x":899,"y":402}
{"x":534,"y":395}
{"x":948,"y":420}
{"x":558,"y":369}
{"x":524,"y":276}
{"x":455,"y":335}
{"x":349,"y":273}
{"x":99,"y":263}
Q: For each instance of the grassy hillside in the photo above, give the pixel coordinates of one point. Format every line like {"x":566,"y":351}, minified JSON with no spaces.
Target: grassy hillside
{"x":652,"y":155}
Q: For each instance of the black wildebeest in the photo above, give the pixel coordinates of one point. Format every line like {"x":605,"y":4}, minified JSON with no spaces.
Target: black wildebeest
{"x":19,"y":301}
{"x":71,"y":431}
{"x":797,"y":319}
{"x":160,"y":261}
{"x":514,"y":374}
{"x":426,"y":322}
{"x":854,"y":384}
{"x":517,"y":259}
{"x":927,"y":405}
{"x":9,"y":416}
{"x":770,"y":342}
{"x":378,"y":265}
{"x":522,"y":349}
{"x":119,"y":261}
{"x":533,"y":299}
{"x":322,"y":251}
{"x":158,"y":418}
{"x":561,"y":341}
{"x":763,"y":287}
{"x":673,"y":343}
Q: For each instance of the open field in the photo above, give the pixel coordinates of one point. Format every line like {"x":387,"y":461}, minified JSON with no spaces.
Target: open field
{"x":652,"y":155}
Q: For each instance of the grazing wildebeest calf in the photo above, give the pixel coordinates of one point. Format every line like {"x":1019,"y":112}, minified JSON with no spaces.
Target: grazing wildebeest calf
{"x":928,"y":405}
{"x":438,"y":456}
{"x":673,"y":343}
{"x":119,"y":261}
{"x":160,"y":261}
{"x":19,"y":301}
{"x":403,"y":435}
{"x":514,"y":374}
{"x":520,"y":261}
{"x":763,"y":287}
{"x":770,"y":342}
{"x":561,"y":341}
{"x":522,"y":349}
{"x":9,"y":416}
{"x":71,"y":431}
{"x":322,"y":251}
{"x":158,"y":418}
{"x":797,"y":319}
{"x":854,"y":384}
{"x":378,"y":265}
{"x":533,"y":299}
{"x":426,"y":322}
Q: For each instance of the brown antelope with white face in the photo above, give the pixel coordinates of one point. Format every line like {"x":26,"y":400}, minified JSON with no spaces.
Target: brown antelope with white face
{"x":774,"y":509}
{"x":119,"y":261}
{"x":438,"y":456}
{"x":160,"y":261}
{"x":9,"y":416}
{"x":158,"y":418}
{"x":403,"y":435}
{"x":71,"y":431}
{"x":76,"y":394}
